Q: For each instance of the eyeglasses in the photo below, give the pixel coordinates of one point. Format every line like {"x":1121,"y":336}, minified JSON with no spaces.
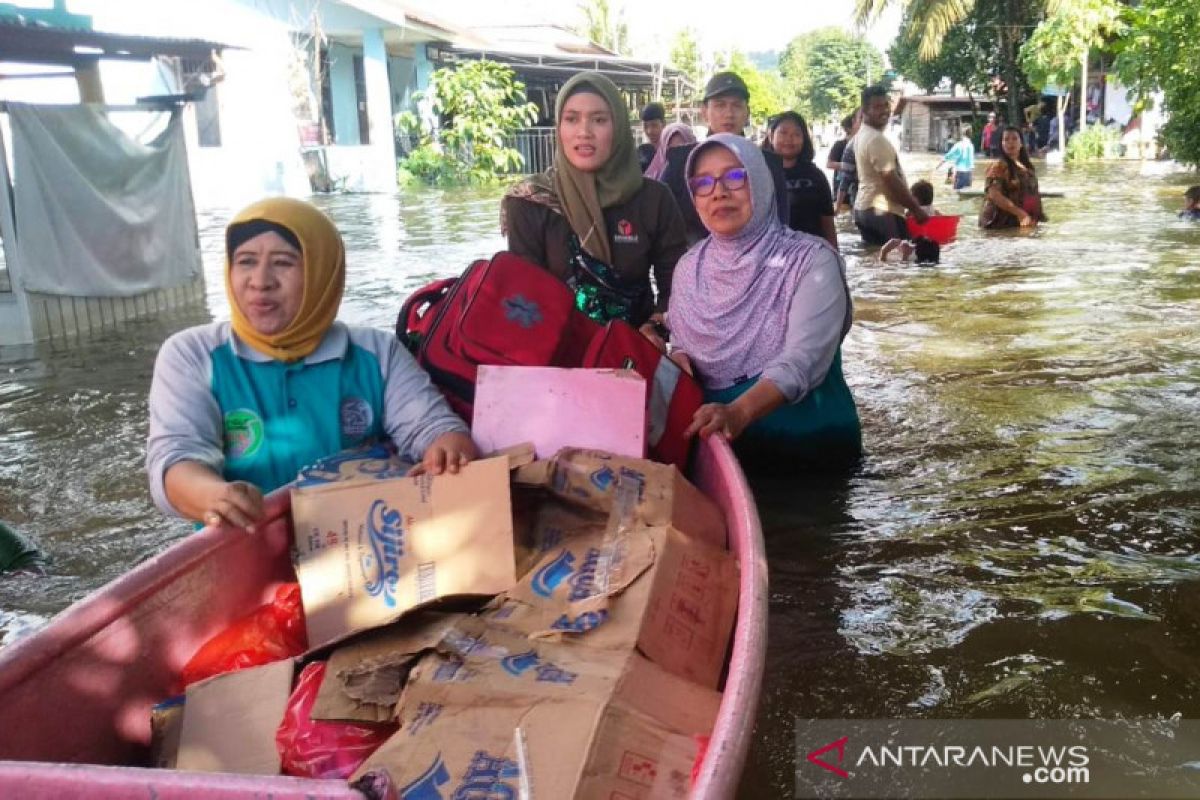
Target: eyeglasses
{"x":703,"y":185}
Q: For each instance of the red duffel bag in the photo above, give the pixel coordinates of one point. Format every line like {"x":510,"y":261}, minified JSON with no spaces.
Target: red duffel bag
{"x":672,"y":396}
{"x":502,"y":312}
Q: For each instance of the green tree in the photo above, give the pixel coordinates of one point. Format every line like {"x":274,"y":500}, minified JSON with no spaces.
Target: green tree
{"x":1057,"y":51}
{"x":933,"y":20}
{"x":483,"y":105}
{"x":605,"y":25}
{"x":967,"y":57}
{"x":769,"y":92}
{"x":685,"y":56}
{"x":1159,"y":54}
{"x":827,"y":69}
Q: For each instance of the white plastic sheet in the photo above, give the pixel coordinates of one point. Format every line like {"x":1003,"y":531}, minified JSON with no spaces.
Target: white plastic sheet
{"x":99,"y":214}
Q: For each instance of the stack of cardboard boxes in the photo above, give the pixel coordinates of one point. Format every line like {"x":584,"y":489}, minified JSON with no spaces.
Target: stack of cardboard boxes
{"x":588,"y":667}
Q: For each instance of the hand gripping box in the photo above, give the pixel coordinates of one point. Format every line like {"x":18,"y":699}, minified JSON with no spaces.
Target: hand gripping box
{"x":374,"y":546}
{"x":494,"y":714}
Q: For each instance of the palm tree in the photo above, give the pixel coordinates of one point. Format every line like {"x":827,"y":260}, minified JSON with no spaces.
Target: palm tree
{"x":1014,"y":20}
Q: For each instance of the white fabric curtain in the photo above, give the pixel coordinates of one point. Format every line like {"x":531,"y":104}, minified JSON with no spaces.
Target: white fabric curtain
{"x":99,"y":214}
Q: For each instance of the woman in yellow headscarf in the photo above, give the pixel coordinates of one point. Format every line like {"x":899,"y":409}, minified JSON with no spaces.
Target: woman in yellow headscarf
{"x":592,"y":219}
{"x":238,"y":408}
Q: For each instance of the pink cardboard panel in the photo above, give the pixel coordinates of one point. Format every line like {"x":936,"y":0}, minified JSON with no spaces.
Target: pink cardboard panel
{"x":602,"y":409}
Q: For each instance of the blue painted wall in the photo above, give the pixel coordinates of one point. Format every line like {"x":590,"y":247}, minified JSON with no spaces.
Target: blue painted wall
{"x":343,"y":95}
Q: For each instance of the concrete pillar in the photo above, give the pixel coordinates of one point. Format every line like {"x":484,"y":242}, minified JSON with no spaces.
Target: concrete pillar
{"x":423,"y":70}
{"x":87,"y":78}
{"x":381,"y":176}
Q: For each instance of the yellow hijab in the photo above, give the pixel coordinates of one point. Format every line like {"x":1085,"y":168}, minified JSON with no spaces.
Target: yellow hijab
{"x":324,"y":278}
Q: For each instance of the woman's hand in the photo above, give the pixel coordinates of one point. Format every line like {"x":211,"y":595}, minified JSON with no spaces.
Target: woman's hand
{"x":726,"y":420}
{"x":1027,"y":220}
{"x":650,"y":330}
{"x":684,"y":363}
{"x":449,"y":452}
{"x":237,"y":503}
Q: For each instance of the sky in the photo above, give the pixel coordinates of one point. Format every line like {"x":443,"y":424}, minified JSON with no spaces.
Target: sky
{"x":653,"y":23}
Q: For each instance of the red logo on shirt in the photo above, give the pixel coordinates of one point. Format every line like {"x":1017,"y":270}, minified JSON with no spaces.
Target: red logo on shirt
{"x":625,"y":232}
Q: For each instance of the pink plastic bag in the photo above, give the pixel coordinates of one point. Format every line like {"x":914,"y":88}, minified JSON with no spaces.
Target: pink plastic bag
{"x":314,"y":749}
{"x":271,"y":632}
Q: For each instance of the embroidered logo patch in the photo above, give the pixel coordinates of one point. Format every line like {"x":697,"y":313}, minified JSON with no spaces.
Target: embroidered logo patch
{"x":356,"y":417}
{"x":243,"y":434}
{"x":521,"y":311}
{"x":625,"y":233}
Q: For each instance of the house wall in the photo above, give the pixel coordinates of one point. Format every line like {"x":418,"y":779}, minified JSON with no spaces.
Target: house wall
{"x":344,"y":95}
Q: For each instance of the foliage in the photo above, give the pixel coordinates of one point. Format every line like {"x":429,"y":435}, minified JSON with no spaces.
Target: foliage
{"x":936,"y":18}
{"x":1052,"y":55}
{"x":967,"y":56}
{"x":769,"y":93}
{"x":1159,"y":54}
{"x":1003,"y":25}
{"x":605,"y":25}
{"x":483,"y":104}
{"x":685,"y":56}
{"x":1095,"y":142}
{"x":827,"y":69}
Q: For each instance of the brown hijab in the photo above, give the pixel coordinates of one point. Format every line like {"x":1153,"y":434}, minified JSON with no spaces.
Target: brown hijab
{"x":579,"y":196}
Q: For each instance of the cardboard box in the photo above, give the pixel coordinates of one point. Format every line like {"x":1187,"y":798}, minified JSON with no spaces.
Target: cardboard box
{"x":668,"y":595}
{"x":229,"y":721}
{"x":590,"y":479}
{"x":363,"y":679}
{"x":495,"y":714}
{"x":371,"y":550}
{"x":370,"y":462}
{"x":166,"y":723}
{"x":604,"y":409}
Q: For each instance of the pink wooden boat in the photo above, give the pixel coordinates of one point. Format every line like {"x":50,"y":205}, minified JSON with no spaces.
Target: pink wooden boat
{"x":75,"y":697}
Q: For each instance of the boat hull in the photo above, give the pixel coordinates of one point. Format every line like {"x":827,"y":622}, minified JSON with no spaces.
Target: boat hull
{"x":77,"y":694}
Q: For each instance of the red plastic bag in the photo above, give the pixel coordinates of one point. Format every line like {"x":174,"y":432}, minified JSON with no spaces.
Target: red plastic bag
{"x":268,"y":633}
{"x":312,"y":748}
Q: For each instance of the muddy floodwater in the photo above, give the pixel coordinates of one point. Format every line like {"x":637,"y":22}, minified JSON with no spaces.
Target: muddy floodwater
{"x":1020,"y":540}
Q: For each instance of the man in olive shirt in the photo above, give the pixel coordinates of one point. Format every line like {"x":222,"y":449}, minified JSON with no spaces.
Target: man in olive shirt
{"x":883,"y":193}
{"x":726,"y":110}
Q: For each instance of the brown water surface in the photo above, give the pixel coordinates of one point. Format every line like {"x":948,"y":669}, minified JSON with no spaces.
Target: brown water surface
{"x":1019,"y":542}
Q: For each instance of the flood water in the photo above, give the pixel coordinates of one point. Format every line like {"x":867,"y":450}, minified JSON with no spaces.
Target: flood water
{"x":1020,"y":540}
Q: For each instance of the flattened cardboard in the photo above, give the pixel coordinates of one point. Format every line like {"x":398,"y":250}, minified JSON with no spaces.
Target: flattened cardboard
{"x":371,"y":550}
{"x":229,"y":721}
{"x":363,"y":679}
{"x":554,"y":408}
{"x":672,"y":597}
{"x":495,"y":731}
{"x":589,"y":478}
{"x":166,"y":723}
{"x":368,"y":463}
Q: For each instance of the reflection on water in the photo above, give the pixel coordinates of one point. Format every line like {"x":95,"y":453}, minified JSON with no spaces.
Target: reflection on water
{"x":1019,"y":542}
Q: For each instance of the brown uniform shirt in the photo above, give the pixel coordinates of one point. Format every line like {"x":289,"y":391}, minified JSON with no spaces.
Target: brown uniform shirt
{"x":645,"y":233}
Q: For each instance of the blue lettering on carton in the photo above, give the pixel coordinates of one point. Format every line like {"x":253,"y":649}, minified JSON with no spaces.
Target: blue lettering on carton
{"x":488,"y":778}
{"x":518,"y":663}
{"x":548,"y":577}
{"x":381,"y":567}
{"x":603,"y":478}
{"x":583,"y":582}
{"x":581,"y":624}
{"x":548,"y":673}
{"x":426,"y":786}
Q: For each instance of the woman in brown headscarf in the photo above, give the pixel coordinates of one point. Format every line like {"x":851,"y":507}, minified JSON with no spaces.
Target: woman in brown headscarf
{"x":592,"y":219}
